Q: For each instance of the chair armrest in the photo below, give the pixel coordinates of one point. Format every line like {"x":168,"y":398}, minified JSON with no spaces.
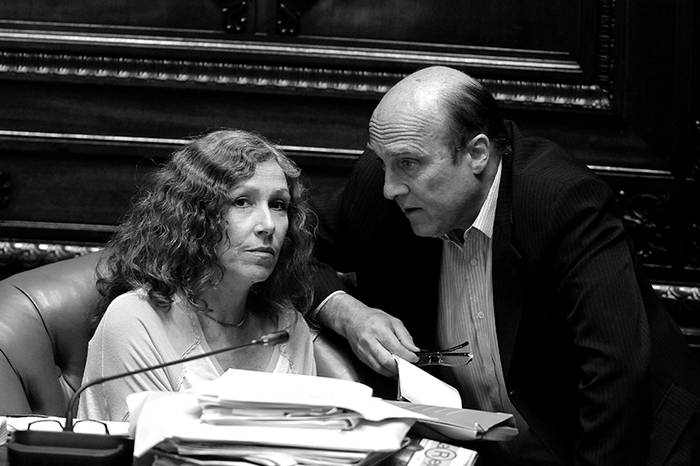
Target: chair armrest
{"x":13,"y":401}
{"x":334,"y":358}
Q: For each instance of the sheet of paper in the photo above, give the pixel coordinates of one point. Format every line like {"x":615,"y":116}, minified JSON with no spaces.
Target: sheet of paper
{"x":464,"y":424}
{"x":238,"y":384}
{"x":280,"y":389}
{"x":418,"y":386}
{"x":176,"y":416}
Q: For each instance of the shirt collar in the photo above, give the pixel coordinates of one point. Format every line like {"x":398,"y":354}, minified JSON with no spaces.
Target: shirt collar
{"x":487,"y":214}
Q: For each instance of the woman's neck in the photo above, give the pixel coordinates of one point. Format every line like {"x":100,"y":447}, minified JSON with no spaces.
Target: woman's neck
{"x":227,"y":302}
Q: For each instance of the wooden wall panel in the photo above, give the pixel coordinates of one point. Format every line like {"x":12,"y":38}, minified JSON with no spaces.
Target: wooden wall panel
{"x":510,"y":24}
{"x":94,"y":93}
{"x":175,"y":14}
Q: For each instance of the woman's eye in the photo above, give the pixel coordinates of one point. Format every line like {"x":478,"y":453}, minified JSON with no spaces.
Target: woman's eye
{"x":279,"y":205}
{"x":241,"y":202}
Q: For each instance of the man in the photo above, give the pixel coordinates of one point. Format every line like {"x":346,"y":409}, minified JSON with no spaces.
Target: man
{"x":483,"y":235}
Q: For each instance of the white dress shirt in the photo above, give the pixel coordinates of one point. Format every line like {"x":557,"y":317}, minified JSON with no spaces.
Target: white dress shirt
{"x":466,"y":313}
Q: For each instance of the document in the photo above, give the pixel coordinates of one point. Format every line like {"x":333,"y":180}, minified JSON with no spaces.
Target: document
{"x":244,"y":413}
{"x":418,"y":386}
{"x":275,"y":455}
{"x":463,"y":424}
{"x":283,"y":390}
{"x":377,"y":426}
{"x":428,"y":452}
{"x":442,"y":405}
{"x":272,"y":411}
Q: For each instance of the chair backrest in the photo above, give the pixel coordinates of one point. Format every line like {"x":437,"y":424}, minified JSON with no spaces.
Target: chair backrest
{"x":45,"y":316}
{"x":45,"y":326}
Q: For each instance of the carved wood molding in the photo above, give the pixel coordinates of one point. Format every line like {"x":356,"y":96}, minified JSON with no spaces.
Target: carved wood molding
{"x":646,"y":218}
{"x":29,"y":255}
{"x":607,"y":30}
{"x":5,"y":188}
{"x":33,"y":254}
{"x":321,"y":67}
{"x":196,"y":74}
{"x":289,"y":15}
{"x":694,"y":235}
{"x":359,"y":57}
{"x":17,"y":138}
{"x":677,"y":292}
{"x":235,"y":15}
{"x":336,"y":156}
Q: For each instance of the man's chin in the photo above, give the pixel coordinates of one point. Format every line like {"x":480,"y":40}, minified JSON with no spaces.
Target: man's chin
{"x":424,"y":230}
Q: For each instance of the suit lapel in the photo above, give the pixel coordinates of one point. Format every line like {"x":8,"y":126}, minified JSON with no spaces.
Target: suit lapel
{"x":507,"y":263}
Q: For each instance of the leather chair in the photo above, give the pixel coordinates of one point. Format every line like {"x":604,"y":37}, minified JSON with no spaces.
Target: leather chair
{"x":45,"y":322}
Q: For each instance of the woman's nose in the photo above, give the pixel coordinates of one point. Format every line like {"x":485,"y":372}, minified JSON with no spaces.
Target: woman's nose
{"x":264,"y":224}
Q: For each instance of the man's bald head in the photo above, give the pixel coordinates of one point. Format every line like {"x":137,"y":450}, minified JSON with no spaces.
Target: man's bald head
{"x":426,"y":89}
{"x":447,"y":95}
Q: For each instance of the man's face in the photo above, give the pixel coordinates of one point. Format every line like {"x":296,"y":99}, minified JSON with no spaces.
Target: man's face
{"x":435,"y":191}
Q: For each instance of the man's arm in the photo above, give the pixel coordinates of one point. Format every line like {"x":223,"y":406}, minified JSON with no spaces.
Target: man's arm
{"x":373,"y":334}
{"x":604,"y":309}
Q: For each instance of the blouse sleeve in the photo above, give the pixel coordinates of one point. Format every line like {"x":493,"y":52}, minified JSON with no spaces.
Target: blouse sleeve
{"x":299,"y":349}
{"x":130,"y":336}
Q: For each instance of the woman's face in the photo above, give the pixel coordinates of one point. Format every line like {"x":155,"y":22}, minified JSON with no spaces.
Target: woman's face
{"x":256,"y":225}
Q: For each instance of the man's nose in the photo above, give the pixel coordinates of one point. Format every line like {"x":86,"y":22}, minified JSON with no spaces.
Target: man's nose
{"x":393,"y":187}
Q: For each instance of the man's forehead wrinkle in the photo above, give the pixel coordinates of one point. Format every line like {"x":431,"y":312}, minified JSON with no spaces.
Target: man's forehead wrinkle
{"x":403,"y":134}
{"x":401,"y":121}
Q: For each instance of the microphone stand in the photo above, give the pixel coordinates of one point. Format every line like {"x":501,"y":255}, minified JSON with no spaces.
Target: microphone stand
{"x":274,"y":338}
{"x":69,"y":448}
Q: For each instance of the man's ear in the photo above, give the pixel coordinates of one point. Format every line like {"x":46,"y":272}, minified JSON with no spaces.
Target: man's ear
{"x":479,"y":149}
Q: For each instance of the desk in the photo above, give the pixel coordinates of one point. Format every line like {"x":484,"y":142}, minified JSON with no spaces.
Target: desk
{"x":67,"y":449}
{"x":394,"y":460}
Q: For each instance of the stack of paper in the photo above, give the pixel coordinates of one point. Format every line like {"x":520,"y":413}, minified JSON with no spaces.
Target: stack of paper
{"x":248,"y":417}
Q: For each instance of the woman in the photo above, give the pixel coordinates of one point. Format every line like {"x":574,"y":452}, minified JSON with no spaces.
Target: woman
{"x":214,"y":254}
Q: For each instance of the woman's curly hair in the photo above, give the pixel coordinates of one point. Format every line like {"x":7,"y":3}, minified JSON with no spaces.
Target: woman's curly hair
{"x":168,"y":241}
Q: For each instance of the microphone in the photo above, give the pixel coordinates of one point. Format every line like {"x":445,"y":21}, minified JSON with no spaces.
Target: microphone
{"x":269,"y":339}
{"x":68,"y":447}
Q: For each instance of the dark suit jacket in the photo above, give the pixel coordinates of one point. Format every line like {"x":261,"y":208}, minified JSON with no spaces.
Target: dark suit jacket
{"x":590,"y":359}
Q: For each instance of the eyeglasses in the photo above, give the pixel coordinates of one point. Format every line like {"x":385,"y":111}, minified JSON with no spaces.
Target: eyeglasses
{"x":446,"y":357}
{"x":83,"y":426}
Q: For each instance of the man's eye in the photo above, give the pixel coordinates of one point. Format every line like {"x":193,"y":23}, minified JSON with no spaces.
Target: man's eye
{"x":408,"y":164}
{"x":241,"y":202}
{"x":279,"y":205}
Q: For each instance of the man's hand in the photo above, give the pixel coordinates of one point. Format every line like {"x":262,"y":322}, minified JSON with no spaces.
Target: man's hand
{"x":373,"y":334}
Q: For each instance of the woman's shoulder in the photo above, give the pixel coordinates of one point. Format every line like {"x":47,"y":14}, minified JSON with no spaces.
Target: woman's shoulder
{"x":130,"y":307}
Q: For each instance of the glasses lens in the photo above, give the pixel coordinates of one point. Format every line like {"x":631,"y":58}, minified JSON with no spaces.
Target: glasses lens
{"x":455,"y":359}
{"x":45,"y":424}
{"x":89,"y":426}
